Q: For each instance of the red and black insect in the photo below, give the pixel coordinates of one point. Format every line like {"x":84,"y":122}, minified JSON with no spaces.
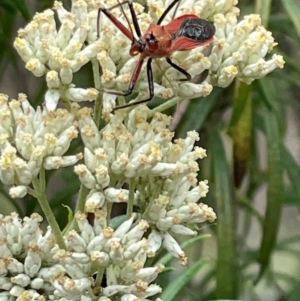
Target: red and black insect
{"x":182,"y":33}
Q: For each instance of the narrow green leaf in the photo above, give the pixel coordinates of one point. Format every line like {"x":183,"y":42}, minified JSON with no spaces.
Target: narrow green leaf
{"x":293,"y":9}
{"x":182,"y":279}
{"x":240,"y":129}
{"x":22,"y":8}
{"x":70,"y":218}
{"x":262,"y":7}
{"x":275,"y":183}
{"x":197,"y":112}
{"x":293,"y":171}
{"x":294,"y":296}
{"x":226,"y":281}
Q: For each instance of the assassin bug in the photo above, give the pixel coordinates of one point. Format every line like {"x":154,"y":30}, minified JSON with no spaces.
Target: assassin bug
{"x":182,"y":33}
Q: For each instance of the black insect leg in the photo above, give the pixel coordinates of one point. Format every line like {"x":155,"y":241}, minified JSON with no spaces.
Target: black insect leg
{"x":167,"y":10}
{"x":188,"y":76}
{"x":150,"y":85}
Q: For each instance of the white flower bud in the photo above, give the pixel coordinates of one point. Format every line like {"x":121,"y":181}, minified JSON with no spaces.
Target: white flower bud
{"x":116,"y":250}
{"x":79,"y":94}
{"x":102,"y":176}
{"x":33,"y":261}
{"x":106,"y":62}
{"x":154,"y":243}
{"x":75,"y":242}
{"x":129,"y":297}
{"x":97,"y":243}
{"x":133,"y":249}
{"x":182,"y":230}
{"x":194,"y":90}
{"x":37,"y":283}
{"x":94,"y":200}
{"x":23,"y":49}
{"x":52,"y":97}
{"x":66,"y":73}
{"x":85,"y":176}
{"x":55,"y":162}
{"x":116,"y":195}
{"x":36,"y":67}
{"x":173,"y":247}
{"x":136,"y":233}
{"x":6,"y":285}
{"x":52,"y":80}
{"x":124,"y":227}
{"x":101,"y":258}
{"x":149,"y":274}
{"x":16,"y":290}
{"x":18,"y":191}
{"x":21,"y":280}
{"x":87,"y":231}
{"x":15,"y":267}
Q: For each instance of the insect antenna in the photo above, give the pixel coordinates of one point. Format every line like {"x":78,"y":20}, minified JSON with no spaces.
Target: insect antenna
{"x":121,"y":26}
{"x":123,"y":12}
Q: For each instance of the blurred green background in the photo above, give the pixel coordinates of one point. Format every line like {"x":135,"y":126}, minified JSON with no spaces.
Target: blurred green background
{"x":251,"y":134}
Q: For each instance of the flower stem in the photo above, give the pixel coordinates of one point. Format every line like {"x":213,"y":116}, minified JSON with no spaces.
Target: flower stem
{"x":98,"y":102}
{"x":131,"y":198}
{"x":39,"y":193}
{"x":83,"y":192}
{"x":166,"y":105}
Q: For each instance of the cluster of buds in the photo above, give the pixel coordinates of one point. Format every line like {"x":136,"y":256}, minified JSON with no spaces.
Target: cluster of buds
{"x":161,"y":174}
{"x":31,"y":139}
{"x":238,"y":51}
{"x":34,"y":268}
{"x":59,"y":53}
{"x":130,"y":160}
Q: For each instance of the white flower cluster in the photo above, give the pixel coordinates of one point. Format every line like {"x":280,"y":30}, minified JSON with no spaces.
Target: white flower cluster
{"x":32,"y":267}
{"x":60,"y":50}
{"x":31,"y":139}
{"x":161,"y":175}
{"x":59,"y":53}
{"x":239,"y":50}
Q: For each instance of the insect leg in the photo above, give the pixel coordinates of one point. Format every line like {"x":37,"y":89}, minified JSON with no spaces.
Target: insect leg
{"x":150,"y":85}
{"x":135,"y":74}
{"x":188,"y":76}
{"x":114,"y":20}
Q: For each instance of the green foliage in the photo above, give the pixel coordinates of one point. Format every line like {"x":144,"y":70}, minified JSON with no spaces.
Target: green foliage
{"x":237,"y":125}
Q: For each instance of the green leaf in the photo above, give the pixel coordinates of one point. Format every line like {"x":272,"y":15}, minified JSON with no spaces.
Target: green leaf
{"x":240,"y":129}
{"x":275,"y":178}
{"x":294,"y":296}
{"x":227,"y":261}
{"x":197,"y":112}
{"x":262,"y":7}
{"x":70,"y":218}
{"x":293,"y":171}
{"x":117,"y":221}
{"x":182,"y":279}
{"x":293,"y":9}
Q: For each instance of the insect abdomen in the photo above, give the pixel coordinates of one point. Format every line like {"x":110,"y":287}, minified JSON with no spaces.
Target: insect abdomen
{"x":196,"y":29}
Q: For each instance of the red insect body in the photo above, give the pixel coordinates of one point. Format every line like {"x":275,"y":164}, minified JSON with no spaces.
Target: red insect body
{"x":182,"y":33}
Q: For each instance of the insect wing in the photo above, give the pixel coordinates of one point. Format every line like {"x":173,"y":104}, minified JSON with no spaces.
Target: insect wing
{"x":176,"y":23}
{"x":192,"y":33}
{"x":183,"y":43}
